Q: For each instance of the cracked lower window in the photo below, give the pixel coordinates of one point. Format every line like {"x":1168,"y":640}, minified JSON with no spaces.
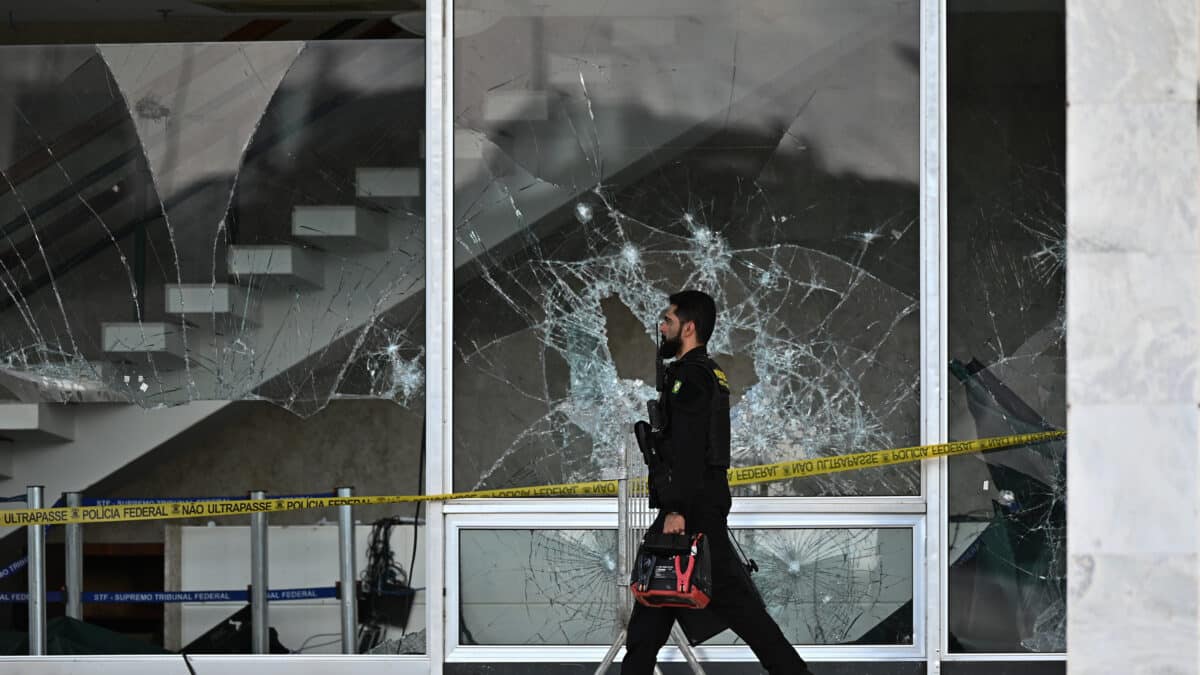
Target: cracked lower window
{"x":212,"y":221}
{"x":556,"y":587}
{"x":834,"y":586}
{"x":1007,"y":535}
{"x":604,"y":158}
{"x":543,"y":587}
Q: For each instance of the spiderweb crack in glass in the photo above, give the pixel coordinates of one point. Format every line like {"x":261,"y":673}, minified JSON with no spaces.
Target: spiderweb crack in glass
{"x":539,"y":587}
{"x":832,"y":586}
{"x":606,"y":162}
{"x":810,"y":323}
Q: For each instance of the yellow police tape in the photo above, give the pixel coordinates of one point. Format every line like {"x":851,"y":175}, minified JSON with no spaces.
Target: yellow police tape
{"x":763,"y":473}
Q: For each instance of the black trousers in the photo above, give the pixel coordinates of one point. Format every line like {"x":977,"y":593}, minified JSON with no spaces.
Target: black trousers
{"x":733,"y":601}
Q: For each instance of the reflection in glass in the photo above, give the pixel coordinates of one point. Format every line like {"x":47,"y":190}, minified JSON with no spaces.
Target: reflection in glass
{"x":373,"y":445}
{"x":301,"y":557}
{"x":212,"y":222}
{"x":1007,"y":509}
{"x":767,"y":155}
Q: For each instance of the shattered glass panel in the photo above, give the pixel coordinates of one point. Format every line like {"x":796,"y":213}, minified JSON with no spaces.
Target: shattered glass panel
{"x":212,"y":221}
{"x":557,"y":587}
{"x":832,"y":587}
{"x":765,"y":152}
{"x":1007,"y":509}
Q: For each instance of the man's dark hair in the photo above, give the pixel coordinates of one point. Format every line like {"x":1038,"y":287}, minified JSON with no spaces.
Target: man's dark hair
{"x":697,"y":307}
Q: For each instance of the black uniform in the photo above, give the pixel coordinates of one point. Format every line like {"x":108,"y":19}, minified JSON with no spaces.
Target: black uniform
{"x":694,"y":484}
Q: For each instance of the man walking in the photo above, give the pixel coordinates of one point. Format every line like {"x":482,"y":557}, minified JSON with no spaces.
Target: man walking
{"x":691,"y":490}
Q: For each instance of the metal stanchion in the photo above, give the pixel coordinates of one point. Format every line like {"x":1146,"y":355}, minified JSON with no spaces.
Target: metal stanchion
{"x":634,"y":517}
{"x":74,"y":562}
{"x":259,"y":624}
{"x":623,"y":541}
{"x":37,"y":575}
{"x":347,"y":570}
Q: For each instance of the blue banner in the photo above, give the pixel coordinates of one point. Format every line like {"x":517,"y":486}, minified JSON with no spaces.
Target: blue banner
{"x":51,"y":596}
{"x":133,"y":501}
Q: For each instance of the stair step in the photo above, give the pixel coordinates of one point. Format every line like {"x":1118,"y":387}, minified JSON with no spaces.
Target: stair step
{"x":294,"y":264}
{"x":74,"y":382}
{"x":36,"y":422}
{"x":163,"y":340}
{"x":388,"y":182}
{"x":200,"y":300}
{"x":352,"y":227}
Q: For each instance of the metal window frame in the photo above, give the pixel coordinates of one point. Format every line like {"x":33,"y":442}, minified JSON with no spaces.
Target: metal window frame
{"x":439,"y":307}
{"x":933,"y":305}
{"x":207,"y":664}
{"x":931,"y":608}
{"x":594,"y":519}
{"x":741,"y":505}
{"x":935,"y":343}
{"x":928,"y":586}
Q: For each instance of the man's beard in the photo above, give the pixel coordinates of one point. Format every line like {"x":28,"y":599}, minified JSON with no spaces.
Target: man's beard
{"x":669,"y":348}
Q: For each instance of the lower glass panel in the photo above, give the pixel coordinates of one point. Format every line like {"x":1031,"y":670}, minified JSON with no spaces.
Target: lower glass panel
{"x":537,"y":587}
{"x":834,"y":586}
{"x":555,"y":587}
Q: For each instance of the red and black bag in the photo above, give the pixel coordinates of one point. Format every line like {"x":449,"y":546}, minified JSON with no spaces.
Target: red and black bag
{"x":672,"y":570}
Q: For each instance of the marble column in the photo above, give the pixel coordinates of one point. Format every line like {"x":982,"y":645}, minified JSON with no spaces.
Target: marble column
{"x":1133,"y":313}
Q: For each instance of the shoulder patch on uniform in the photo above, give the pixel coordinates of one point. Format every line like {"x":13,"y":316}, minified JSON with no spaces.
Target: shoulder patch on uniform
{"x":721,"y":379}
{"x":678,"y":385}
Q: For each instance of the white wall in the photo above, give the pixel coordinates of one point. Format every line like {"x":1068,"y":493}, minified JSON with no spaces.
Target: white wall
{"x":1133,"y":323}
